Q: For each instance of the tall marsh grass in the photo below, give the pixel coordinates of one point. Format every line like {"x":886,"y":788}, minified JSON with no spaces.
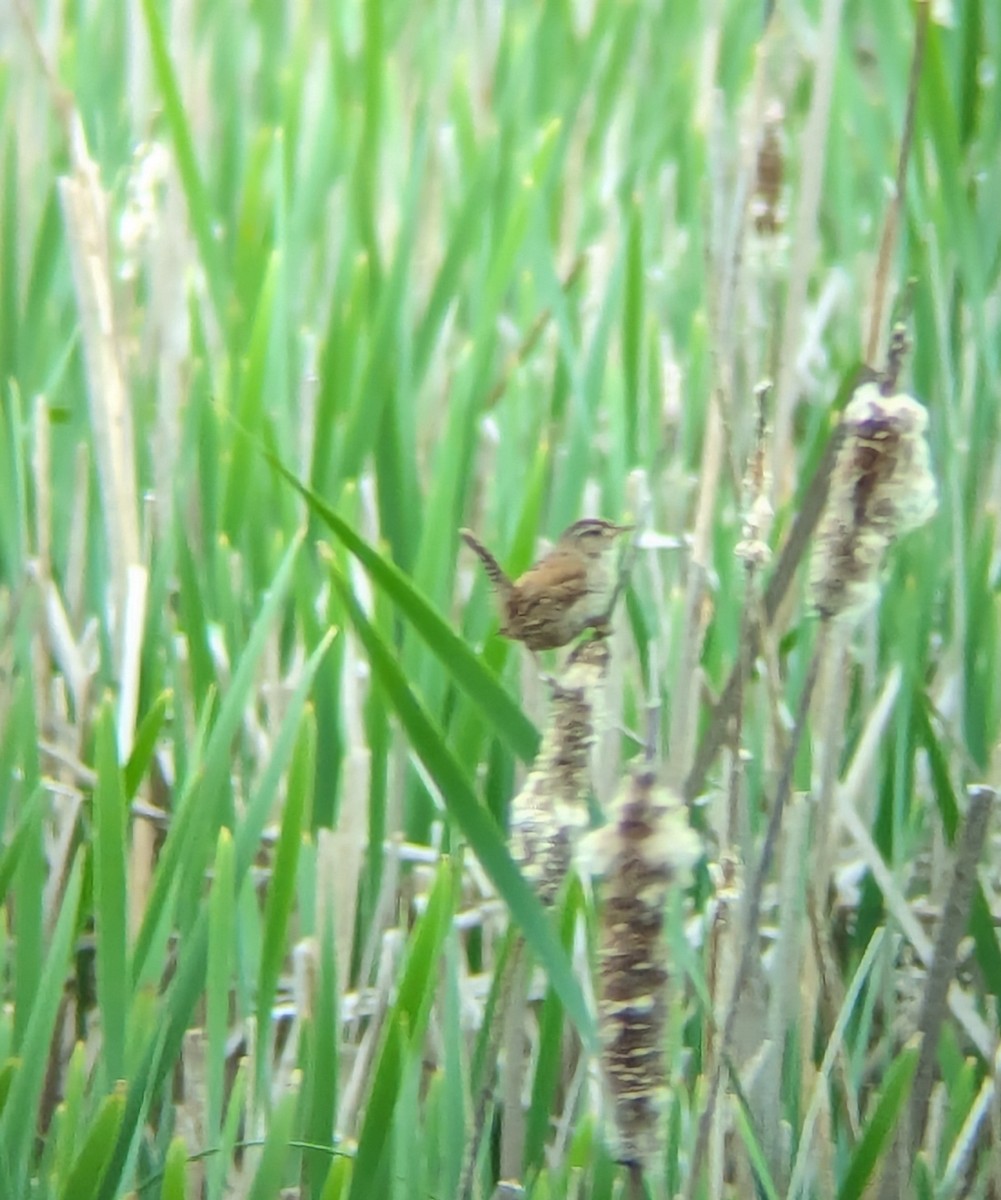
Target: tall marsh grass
{"x":289,"y":294}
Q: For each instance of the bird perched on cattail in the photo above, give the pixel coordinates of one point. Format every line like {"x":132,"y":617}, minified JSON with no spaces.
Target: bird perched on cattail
{"x":568,"y":590}
{"x":881,"y":487}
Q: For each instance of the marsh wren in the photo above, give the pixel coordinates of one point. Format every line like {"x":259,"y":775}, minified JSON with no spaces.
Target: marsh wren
{"x":570,"y":589}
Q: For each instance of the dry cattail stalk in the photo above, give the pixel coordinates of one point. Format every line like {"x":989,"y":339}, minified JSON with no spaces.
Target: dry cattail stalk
{"x":550,"y":811}
{"x":881,"y":487}
{"x":646,"y":849}
{"x":896,"y":353}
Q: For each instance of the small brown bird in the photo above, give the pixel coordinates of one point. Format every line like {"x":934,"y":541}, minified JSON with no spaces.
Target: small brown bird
{"x":568,"y":590}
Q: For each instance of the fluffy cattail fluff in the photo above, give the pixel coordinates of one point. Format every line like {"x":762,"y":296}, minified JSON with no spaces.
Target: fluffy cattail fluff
{"x":881,"y":487}
{"x":646,"y":849}
{"x":550,"y":811}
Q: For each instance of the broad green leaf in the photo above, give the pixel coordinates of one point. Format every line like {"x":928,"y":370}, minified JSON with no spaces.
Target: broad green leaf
{"x":321,"y":1058}
{"x":222,"y":922}
{"x":175,"y":1171}
{"x":199,"y":210}
{"x":161,"y":1052}
{"x":273,"y":1170}
{"x":20,"y":1113}
{"x":28,"y":824}
{"x":85,"y":1174}
{"x":478,"y":827}
{"x":144,"y":744}
{"x":402,"y":1038}
{"x":479,"y":684}
{"x":895,"y":1084}
{"x":194,"y":823}
{"x":71,"y":1111}
{"x":282,"y":892}
{"x":110,"y":897}
{"x":756,"y":1154}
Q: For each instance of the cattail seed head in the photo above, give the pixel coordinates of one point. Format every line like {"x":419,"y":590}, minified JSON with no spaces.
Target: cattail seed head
{"x":881,"y":487}
{"x":647,"y":848}
{"x":550,"y":811}
{"x":769,"y":175}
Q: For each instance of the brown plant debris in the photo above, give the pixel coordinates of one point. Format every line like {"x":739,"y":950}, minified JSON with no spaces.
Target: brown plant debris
{"x":881,"y":487}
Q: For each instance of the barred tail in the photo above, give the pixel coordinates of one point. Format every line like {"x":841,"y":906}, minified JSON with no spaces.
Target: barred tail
{"x":492,"y":566}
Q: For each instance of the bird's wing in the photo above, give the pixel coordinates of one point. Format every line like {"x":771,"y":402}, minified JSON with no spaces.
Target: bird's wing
{"x":565,"y":582}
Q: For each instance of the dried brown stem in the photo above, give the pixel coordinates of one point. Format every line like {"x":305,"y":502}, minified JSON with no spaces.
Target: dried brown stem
{"x":955,"y":915}
{"x":889,"y":237}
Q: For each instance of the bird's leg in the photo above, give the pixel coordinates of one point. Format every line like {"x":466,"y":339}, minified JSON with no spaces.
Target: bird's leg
{"x":547,"y":678}
{"x":602,"y":625}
